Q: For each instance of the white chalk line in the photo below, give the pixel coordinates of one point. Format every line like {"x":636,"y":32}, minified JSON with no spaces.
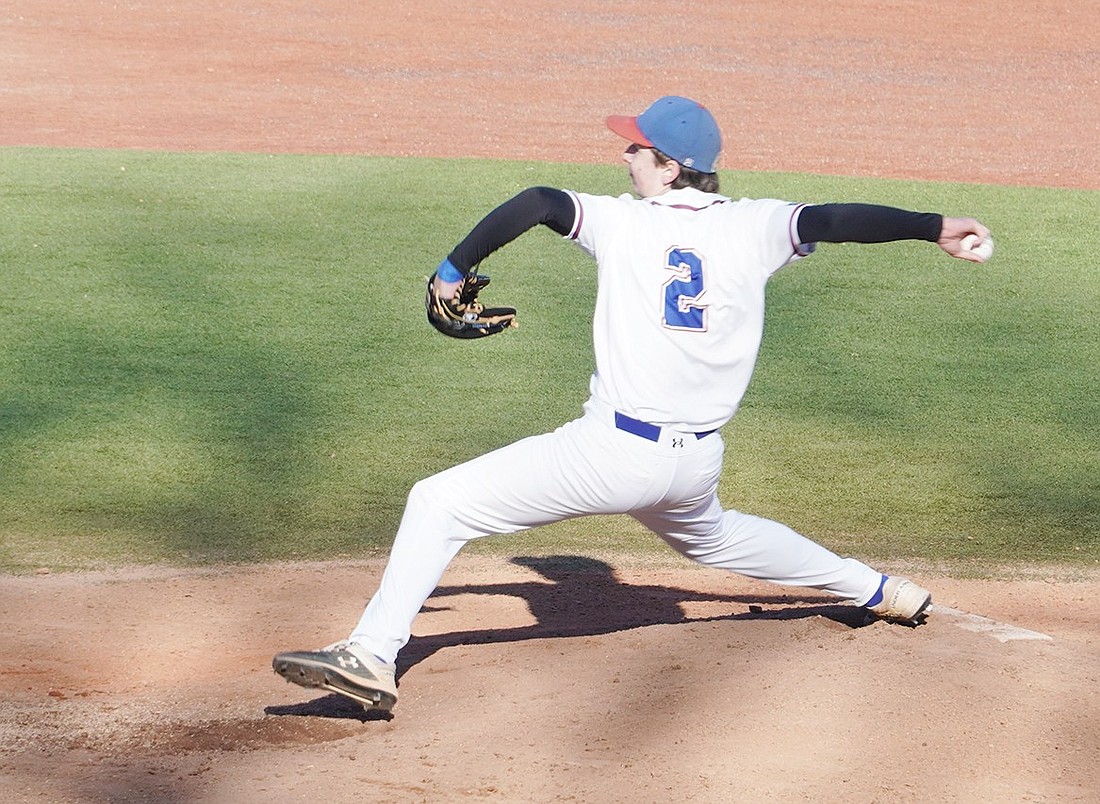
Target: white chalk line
{"x":983,"y":625}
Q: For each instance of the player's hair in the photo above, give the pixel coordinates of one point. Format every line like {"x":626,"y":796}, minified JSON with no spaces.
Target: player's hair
{"x":706,"y":182}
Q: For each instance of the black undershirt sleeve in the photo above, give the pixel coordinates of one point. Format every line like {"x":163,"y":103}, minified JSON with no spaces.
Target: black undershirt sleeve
{"x":865,"y":223}
{"x":534,"y":206}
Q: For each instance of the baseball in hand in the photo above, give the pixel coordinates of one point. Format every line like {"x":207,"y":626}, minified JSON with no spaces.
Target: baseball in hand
{"x":975,"y":244}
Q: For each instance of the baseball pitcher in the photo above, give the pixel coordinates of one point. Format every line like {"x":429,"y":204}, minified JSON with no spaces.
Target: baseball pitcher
{"x":679,"y":315}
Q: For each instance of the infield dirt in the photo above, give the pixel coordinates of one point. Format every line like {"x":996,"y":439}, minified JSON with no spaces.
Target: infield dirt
{"x":601,"y":678}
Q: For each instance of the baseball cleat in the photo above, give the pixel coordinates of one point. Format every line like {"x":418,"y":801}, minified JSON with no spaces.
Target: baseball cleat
{"x":345,"y":668}
{"x":903,"y":602}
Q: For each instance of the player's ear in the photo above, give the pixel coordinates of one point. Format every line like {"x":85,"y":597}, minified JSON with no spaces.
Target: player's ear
{"x":671,"y":171}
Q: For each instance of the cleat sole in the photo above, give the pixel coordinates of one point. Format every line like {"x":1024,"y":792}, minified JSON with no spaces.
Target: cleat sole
{"x":305,"y":675}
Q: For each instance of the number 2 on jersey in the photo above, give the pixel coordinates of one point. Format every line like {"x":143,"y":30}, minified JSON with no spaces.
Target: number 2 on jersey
{"x":682,"y":292}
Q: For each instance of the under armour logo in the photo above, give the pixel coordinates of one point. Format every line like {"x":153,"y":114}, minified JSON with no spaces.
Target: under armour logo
{"x":349,"y":661}
{"x":677,"y":442}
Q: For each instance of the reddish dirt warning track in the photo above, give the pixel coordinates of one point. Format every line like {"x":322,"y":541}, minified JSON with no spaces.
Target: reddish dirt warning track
{"x":578,"y":679}
{"x":998,"y":92}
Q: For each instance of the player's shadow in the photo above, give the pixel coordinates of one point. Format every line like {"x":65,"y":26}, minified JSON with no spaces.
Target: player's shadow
{"x":580,"y":596}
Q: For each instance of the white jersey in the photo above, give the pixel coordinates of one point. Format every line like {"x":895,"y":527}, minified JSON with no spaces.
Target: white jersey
{"x":680,"y":307}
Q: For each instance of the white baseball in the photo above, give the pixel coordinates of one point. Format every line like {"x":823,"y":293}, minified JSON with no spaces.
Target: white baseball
{"x":975,"y":244}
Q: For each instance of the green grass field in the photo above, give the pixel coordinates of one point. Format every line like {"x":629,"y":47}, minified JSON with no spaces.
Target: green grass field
{"x":221,"y":358}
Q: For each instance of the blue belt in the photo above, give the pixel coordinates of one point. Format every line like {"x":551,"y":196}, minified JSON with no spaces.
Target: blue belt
{"x":646,"y":430}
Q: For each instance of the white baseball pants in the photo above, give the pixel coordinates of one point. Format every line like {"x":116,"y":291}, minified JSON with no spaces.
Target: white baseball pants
{"x":589,"y":466}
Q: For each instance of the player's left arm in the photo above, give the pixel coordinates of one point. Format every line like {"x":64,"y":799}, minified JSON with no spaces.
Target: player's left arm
{"x":532,"y":207}
{"x":872,"y":223}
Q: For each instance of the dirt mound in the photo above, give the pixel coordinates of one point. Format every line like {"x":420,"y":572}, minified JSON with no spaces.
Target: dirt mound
{"x":547,"y":679}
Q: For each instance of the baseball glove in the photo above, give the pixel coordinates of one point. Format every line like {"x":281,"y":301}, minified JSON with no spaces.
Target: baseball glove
{"x":463,"y":316}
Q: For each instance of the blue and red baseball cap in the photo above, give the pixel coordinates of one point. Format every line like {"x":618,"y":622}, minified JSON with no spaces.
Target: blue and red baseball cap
{"x":678,"y":127}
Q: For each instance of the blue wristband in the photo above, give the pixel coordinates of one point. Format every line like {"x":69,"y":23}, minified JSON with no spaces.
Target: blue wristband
{"x":448,"y":273}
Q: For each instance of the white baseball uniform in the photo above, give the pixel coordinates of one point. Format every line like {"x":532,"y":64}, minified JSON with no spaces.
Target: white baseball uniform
{"x":677,"y":326}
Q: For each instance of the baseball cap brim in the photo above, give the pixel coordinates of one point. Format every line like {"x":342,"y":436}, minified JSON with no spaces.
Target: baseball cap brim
{"x":627,"y":128}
